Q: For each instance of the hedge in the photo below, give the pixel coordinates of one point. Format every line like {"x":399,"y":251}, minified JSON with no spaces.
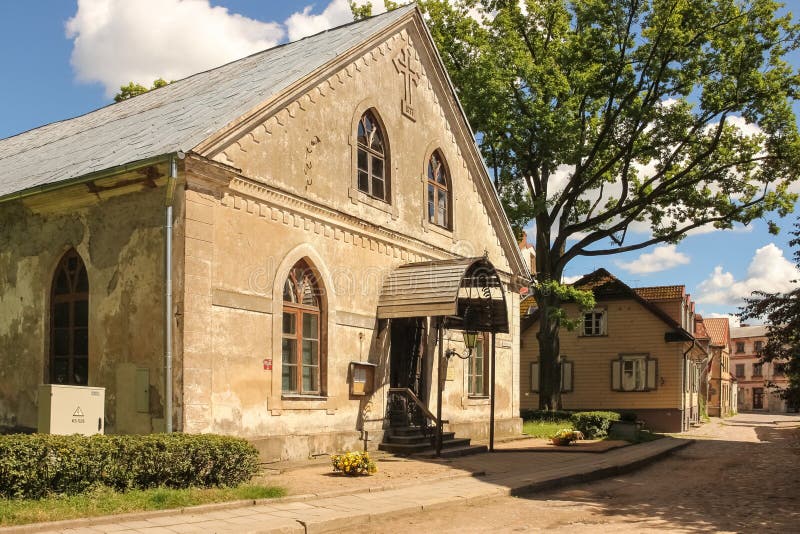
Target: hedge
{"x":593,"y":425}
{"x":544,"y":415}
{"x":36,"y":465}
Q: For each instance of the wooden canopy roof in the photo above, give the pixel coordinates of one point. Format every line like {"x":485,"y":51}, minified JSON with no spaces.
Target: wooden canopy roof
{"x":447,"y":288}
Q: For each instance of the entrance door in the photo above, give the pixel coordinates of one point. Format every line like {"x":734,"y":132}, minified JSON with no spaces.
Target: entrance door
{"x":406,"y":353}
{"x":758,"y":398}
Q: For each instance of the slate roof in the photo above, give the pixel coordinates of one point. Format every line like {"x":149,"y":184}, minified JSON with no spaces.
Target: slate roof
{"x":718,"y":330}
{"x":176,"y":117}
{"x":661,"y":292}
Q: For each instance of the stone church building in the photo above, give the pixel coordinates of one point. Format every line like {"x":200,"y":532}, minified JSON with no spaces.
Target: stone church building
{"x":265,"y":249}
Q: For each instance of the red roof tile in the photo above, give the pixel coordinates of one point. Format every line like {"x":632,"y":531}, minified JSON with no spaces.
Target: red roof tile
{"x":661,"y":292}
{"x":718,"y":329}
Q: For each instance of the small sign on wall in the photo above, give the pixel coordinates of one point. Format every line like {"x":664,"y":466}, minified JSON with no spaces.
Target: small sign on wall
{"x":362,"y":378}
{"x":268,"y":364}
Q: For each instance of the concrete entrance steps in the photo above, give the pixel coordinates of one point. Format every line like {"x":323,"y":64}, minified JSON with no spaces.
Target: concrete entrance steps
{"x":409,"y":440}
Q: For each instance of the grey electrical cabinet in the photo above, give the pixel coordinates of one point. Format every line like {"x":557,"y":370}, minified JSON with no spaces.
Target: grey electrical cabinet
{"x":71,"y":409}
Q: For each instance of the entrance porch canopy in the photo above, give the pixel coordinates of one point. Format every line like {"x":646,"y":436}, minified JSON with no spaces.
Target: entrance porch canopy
{"x":447,"y":288}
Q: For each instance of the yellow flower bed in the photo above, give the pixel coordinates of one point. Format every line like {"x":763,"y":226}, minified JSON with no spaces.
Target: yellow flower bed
{"x":353,"y":463}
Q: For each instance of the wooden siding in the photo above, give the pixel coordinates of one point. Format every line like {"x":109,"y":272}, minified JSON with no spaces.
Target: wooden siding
{"x":631,"y":329}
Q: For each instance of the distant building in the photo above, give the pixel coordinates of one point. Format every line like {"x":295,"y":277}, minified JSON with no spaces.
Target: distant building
{"x":759,"y":383}
{"x":721,"y":385}
{"x":635,"y":351}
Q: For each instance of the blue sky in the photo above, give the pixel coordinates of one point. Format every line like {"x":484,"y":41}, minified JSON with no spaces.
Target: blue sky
{"x":54,"y":69}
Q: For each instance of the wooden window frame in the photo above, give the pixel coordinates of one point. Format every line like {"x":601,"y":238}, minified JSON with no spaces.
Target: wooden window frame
{"x":562,"y":361}
{"x":648,"y":364}
{"x":71,"y":299}
{"x":299,"y":310}
{"x":603,"y":327}
{"x":483,"y":339}
{"x":757,"y":370}
{"x":371,"y":154}
{"x":433,"y":188}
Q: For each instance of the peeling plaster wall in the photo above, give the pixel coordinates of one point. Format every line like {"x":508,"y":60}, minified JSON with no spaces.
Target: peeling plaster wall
{"x":121,"y":243}
{"x":244,"y":236}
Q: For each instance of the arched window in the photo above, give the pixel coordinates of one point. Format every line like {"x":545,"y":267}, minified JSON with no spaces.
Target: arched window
{"x":373,"y":177}
{"x":69,"y":322}
{"x":438,"y":191}
{"x":302,"y":359}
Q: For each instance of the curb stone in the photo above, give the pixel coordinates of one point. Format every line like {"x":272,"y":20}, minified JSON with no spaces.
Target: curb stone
{"x":321,"y":524}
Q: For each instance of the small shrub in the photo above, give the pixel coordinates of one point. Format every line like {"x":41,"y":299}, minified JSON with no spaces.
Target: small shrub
{"x":33,"y":466}
{"x":353,"y":463}
{"x":593,"y":425}
{"x":544,"y":415}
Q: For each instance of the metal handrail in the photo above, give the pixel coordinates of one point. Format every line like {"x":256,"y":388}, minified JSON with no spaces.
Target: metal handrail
{"x":410,"y":394}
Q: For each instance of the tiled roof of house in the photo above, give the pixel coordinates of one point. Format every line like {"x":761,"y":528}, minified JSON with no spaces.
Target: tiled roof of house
{"x":749,"y":331}
{"x":526,"y":304}
{"x":700,"y":331}
{"x":718,"y":330}
{"x":176,"y":117}
{"x":661,"y":292}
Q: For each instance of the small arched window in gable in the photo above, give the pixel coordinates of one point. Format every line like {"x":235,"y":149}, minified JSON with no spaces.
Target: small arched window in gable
{"x":438,"y":191}
{"x":69,"y":322}
{"x":373,"y":177}
{"x":302,"y":361}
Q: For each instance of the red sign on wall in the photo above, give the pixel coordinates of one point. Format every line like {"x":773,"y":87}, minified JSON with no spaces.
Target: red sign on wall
{"x":268,"y":364}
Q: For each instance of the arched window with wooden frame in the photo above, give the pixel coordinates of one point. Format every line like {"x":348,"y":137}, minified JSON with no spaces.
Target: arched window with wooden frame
{"x":69,"y":322}
{"x":303,"y":355}
{"x":373,"y":158}
{"x":438,"y":190}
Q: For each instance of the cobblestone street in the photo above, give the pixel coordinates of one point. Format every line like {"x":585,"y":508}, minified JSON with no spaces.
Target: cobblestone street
{"x":742,"y":475}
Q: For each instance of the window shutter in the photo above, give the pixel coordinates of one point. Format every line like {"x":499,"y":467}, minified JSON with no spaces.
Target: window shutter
{"x":652,"y":374}
{"x":535,"y":377}
{"x":616,"y":375}
{"x":566,"y":377}
{"x":603,"y":330}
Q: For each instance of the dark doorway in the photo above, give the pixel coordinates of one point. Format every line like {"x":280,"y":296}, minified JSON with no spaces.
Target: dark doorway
{"x":758,"y":398}
{"x":406,"y":355}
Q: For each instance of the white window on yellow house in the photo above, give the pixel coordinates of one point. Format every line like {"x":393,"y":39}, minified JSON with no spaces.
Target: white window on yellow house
{"x":594,"y":323}
{"x":635,"y":372}
{"x":567,"y":376}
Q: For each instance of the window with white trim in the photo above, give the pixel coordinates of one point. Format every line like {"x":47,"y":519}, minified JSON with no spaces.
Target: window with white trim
{"x":636,"y":372}
{"x":594,"y":323}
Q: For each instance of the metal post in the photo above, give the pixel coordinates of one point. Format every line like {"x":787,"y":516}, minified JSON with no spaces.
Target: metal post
{"x":440,"y":381}
{"x":491,"y":406}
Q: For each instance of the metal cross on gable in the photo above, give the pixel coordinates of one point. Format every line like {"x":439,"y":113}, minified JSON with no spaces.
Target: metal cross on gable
{"x":403,"y":62}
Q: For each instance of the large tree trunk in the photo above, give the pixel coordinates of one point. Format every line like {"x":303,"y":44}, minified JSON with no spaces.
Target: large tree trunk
{"x":547,"y":302}
{"x":549,"y":366}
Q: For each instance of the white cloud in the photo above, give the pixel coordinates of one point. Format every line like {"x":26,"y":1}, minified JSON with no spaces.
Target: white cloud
{"x":118,"y":41}
{"x":733,"y":320}
{"x":662,"y":258}
{"x":337,"y":12}
{"x":768,"y":271}
{"x":571,"y":279}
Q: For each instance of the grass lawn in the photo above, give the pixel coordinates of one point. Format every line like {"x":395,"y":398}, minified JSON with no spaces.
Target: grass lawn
{"x":544,"y":429}
{"x":105,"y":501}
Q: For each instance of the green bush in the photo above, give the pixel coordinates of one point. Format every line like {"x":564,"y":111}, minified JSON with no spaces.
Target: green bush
{"x":593,"y":424}
{"x":32,"y":466}
{"x":544,"y":415}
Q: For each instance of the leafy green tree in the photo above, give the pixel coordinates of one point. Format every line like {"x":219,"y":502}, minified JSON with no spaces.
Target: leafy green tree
{"x":614,"y":125}
{"x":135,"y":89}
{"x":781,"y":311}
{"x":365,"y":11}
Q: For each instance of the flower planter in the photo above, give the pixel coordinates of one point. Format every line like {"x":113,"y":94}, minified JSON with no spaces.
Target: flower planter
{"x":560,"y":441}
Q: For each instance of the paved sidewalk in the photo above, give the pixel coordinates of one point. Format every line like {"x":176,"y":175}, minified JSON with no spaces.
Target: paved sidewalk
{"x":516,"y":474}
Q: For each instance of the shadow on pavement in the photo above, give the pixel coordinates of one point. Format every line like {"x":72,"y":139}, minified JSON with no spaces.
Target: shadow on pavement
{"x":711,"y":485}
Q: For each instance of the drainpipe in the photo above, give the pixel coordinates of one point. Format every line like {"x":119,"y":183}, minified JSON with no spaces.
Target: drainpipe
{"x":685,"y":365}
{"x":171,"y":181}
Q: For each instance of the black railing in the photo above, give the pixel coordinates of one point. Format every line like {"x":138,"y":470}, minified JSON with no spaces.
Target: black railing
{"x":404,"y":408}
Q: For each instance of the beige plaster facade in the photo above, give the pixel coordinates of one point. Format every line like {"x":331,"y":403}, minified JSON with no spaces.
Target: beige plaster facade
{"x":270,"y":189}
